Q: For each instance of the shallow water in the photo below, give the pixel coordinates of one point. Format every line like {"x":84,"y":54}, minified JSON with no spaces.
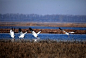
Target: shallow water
{"x":79,"y":37}
{"x":42,"y":27}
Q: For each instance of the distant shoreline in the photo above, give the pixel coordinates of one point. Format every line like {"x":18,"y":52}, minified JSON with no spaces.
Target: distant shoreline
{"x":52,"y":24}
{"x":50,"y":31}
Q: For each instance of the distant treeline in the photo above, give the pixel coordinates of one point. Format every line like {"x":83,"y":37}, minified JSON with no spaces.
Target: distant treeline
{"x":42,"y":18}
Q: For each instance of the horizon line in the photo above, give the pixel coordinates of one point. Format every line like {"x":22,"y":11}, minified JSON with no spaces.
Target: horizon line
{"x":44,"y":14}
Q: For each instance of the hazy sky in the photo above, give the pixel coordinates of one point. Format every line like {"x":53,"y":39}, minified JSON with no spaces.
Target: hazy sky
{"x":43,"y":7}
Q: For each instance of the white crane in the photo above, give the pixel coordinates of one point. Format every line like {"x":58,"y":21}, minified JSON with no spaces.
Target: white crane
{"x":12,"y":34}
{"x":21,"y":34}
{"x":67,"y":33}
{"x":35,"y":34}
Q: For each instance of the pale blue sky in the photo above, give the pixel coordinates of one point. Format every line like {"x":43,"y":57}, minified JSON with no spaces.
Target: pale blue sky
{"x":43,"y":7}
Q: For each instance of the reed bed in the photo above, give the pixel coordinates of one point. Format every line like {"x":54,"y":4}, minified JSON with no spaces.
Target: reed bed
{"x":51,"y":31}
{"x":42,"y":49}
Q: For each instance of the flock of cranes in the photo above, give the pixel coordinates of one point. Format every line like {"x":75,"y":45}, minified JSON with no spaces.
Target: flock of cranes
{"x":21,"y":36}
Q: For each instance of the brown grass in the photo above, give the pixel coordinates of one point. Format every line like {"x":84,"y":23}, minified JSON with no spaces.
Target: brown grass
{"x":42,"y":50}
{"x":43,"y":24}
{"x":54,"y":31}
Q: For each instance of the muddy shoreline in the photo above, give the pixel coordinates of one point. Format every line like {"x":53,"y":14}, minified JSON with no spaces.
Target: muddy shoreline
{"x":51,"y":31}
{"x":51,"y":24}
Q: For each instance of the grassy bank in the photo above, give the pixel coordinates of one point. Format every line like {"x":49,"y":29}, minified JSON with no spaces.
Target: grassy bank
{"x":42,"y":50}
{"x":53,"y":31}
{"x":51,"y":24}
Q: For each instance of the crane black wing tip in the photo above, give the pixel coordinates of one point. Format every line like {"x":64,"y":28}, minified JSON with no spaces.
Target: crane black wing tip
{"x":60,"y":28}
{"x":30,"y":29}
{"x":19,"y":29}
{"x":12,"y":28}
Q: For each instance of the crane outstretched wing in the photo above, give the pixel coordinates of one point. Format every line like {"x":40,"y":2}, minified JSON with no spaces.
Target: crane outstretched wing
{"x":38,"y":32}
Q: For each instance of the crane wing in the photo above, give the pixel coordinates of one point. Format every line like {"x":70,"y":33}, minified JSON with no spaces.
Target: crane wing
{"x":38,"y":32}
{"x":71,"y":32}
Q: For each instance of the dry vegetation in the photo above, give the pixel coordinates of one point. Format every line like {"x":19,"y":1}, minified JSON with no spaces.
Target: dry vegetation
{"x":54,"y":31}
{"x":43,"y":24}
{"x":42,"y":50}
